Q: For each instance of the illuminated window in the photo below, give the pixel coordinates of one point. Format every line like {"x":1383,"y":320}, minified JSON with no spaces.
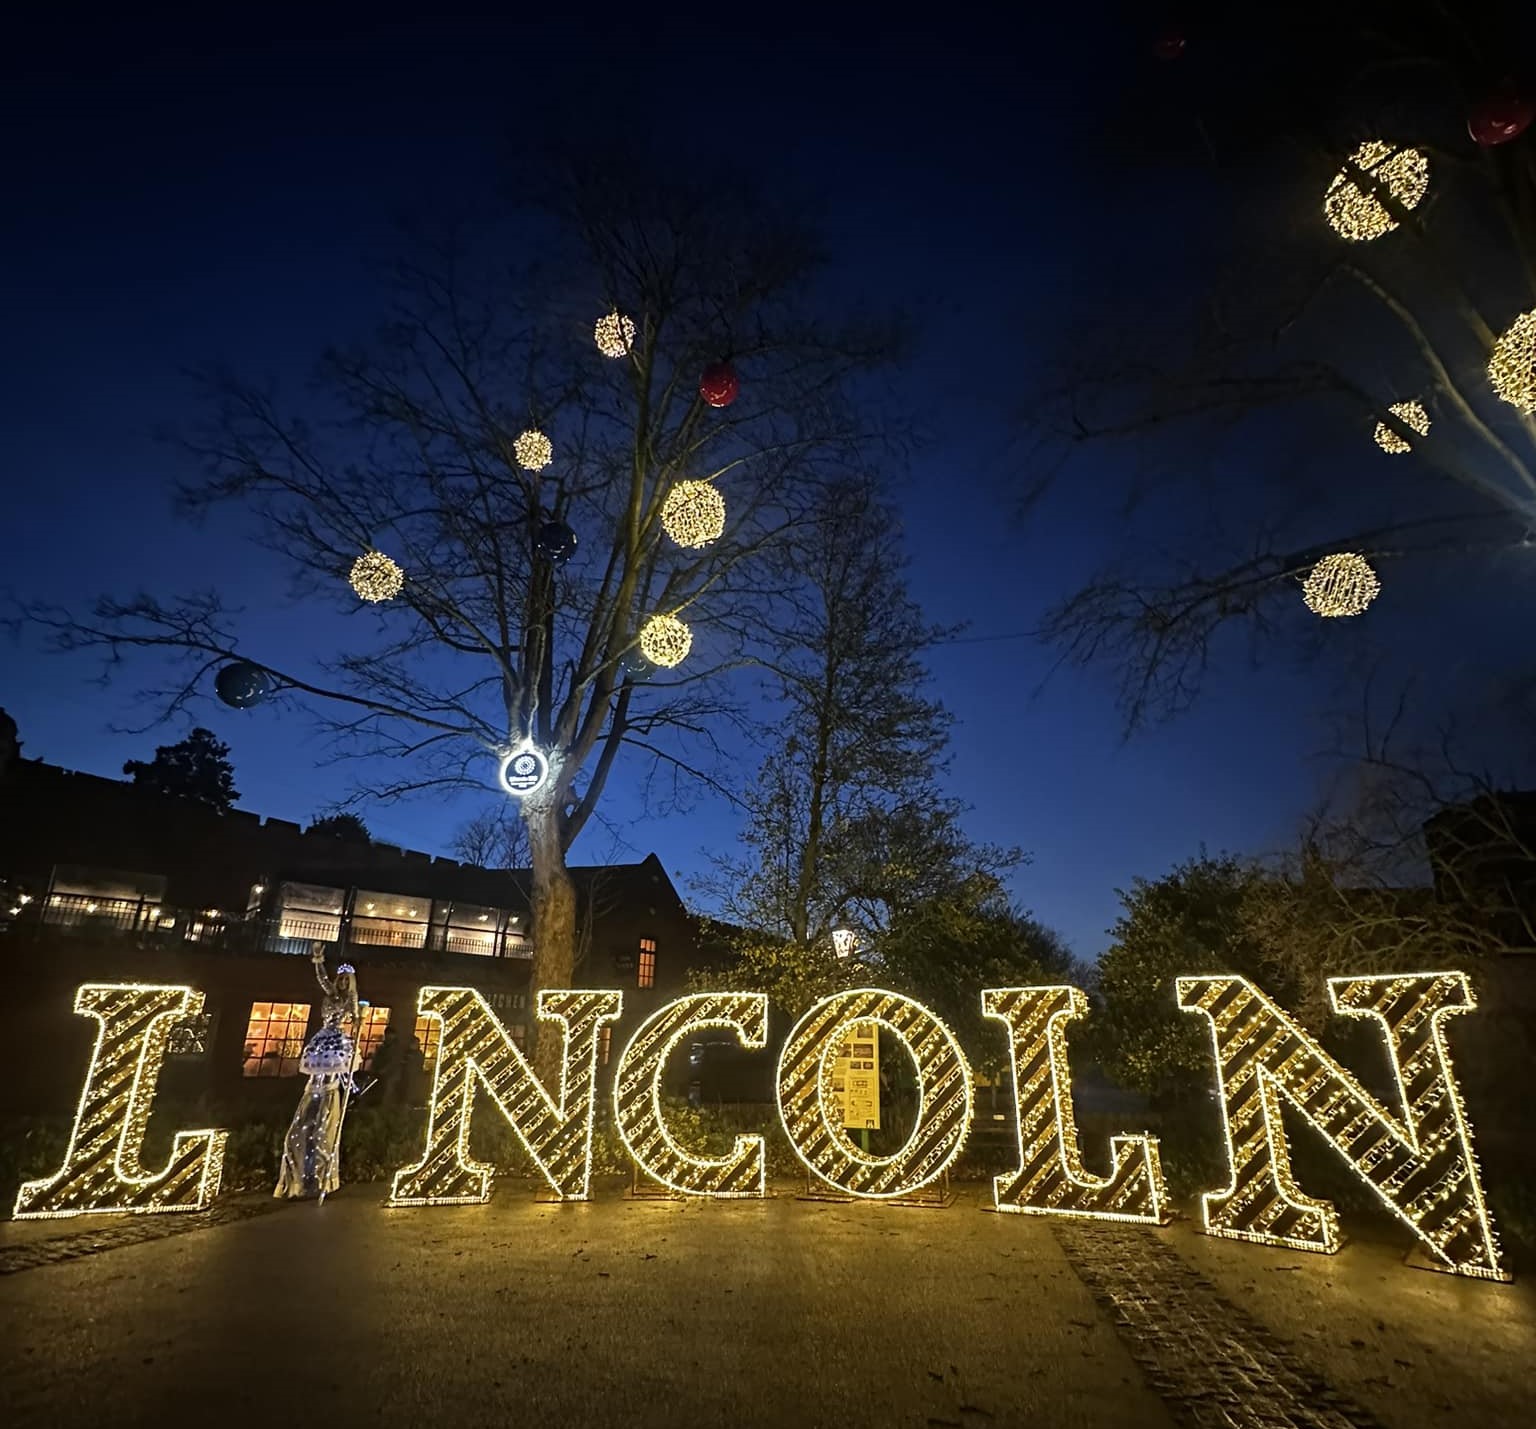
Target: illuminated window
{"x":370,"y":1034}
{"x":429,"y":1032}
{"x":274,"y":1038}
{"x":646,"y":973}
{"x":604,"y":1044}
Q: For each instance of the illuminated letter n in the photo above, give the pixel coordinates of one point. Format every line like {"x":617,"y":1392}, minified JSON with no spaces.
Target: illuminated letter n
{"x":476,"y":1050}
{"x":1416,"y":1155}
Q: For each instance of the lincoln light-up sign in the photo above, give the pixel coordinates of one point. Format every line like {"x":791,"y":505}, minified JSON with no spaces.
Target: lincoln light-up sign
{"x":1414,"y":1153}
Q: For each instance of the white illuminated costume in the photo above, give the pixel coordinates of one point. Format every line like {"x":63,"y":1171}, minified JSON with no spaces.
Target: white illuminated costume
{"x":312,"y":1148}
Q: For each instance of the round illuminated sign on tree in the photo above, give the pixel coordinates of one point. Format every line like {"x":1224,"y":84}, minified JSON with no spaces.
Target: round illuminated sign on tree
{"x":523,"y":770}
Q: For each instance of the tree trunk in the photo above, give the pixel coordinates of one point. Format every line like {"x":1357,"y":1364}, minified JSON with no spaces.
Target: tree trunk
{"x":553,"y":901}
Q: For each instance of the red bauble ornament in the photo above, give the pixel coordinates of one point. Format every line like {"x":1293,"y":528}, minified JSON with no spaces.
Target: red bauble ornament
{"x":719,"y":385}
{"x":1169,"y":45}
{"x":1500,"y":118}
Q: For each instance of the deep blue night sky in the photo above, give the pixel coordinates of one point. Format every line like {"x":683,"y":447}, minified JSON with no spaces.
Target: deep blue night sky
{"x":216,"y":199}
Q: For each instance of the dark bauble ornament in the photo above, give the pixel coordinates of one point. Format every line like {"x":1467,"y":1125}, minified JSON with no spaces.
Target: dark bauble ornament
{"x":1169,"y":45}
{"x":1500,"y":118}
{"x":720,"y":386}
{"x":557,"y":542}
{"x":241,"y":684}
{"x":637,"y":669}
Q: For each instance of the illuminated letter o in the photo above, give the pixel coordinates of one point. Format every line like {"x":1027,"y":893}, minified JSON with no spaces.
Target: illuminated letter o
{"x":943,"y":1085}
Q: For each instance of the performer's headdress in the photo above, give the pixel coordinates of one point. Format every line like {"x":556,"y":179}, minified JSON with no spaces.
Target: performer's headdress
{"x":346,"y":968}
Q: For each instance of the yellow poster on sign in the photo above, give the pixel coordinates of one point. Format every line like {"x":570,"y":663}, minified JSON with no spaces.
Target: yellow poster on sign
{"x":856,"y":1077}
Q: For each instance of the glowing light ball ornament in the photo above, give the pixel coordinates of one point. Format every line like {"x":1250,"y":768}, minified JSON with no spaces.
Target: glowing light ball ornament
{"x":665,"y":640}
{"x":533,"y":450}
{"x":1354,"y":211}
{"x":1341,"y":584}
{"x":557,"y":542}
{"x":1512,"y":368}
{"x":1410,"y":414}
{"x":376,"y":578}
{"x":720,"y":386}
{"x":614,"y":334}
{"x":241,"y":684}
{"x":693,"y":514}
{"x":1500,"y":118}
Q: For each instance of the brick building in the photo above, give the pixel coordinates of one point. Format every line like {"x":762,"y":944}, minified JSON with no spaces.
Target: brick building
{"x":104,"y":881}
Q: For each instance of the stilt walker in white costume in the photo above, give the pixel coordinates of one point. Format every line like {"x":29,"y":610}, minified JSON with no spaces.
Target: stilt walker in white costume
{"x":312,"y":1148}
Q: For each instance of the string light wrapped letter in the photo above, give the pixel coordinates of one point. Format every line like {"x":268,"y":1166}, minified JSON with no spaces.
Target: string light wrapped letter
{"x":1051,"y":1178}
{"x":1411,"y":415}
{"x":693,"y":513}
{"x":1414,"y":1153}
{"x":665,"y":640}
{"x":1341,"y":584}
{"x":1352,"y":208}
{"x":102,"y":1171}
{"x":614,"y":334}
{"x":807,"y":1097}
{"x":533,"y":450}
{"x":1512,"y":368}
{"x":476,"y":1053}
{"x":641,"y":1119}
{"x":376,"y":578}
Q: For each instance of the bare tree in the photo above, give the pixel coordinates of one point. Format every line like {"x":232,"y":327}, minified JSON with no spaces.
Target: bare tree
{"x":493,"y":838}
{"x":1231,"y":414}
{"x":411,"y":447}
{"x":861,"y":742}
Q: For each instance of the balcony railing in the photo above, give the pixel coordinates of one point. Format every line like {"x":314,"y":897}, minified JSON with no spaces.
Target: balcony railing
{"x":154,"y":924}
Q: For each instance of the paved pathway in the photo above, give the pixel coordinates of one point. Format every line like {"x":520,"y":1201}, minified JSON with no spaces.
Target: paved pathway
{"x":778,"y":1313}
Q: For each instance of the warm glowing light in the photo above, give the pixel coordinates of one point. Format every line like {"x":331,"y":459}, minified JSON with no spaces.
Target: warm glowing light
{"x":614,"y":334}
{"x":1411,"y":415}
{"x":1416,"y":1156}
{"x":477,"y":1051}
{"x":811,"y":1111}
{"x":845,"y":942}
{"x":638,"y":1114}
{"x":665,"y":640}
{"x":693,"y":513}
{"x":1341,"y":584}
{"x":1352,"y":206}
{"x":523,"y":771}
{"x":1512,"y":367}
{"x":1051,"y":1178}
{"x":533,"y":450}
{"x":375,"y":577}
{"x":102,"y":1172}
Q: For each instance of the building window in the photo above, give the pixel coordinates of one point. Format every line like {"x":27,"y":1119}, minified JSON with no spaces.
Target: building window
{"x":274,"y":1038}
{"x":645,"y":973}
{"x":370,"y":1034}
{"x":604,"y":1045}
{"x":429,"y":1032}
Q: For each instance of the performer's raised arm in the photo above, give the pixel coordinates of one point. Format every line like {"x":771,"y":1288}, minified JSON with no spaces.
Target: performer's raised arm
{"x":321,"y":976}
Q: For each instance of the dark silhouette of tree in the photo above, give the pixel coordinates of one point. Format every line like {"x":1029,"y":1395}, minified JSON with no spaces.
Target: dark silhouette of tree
{"x":341,"y":826}
{"x":1225,"y":416}
{"x":10,"y":743}
{"x":494,"y":638}
{"x":197,"y":768}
